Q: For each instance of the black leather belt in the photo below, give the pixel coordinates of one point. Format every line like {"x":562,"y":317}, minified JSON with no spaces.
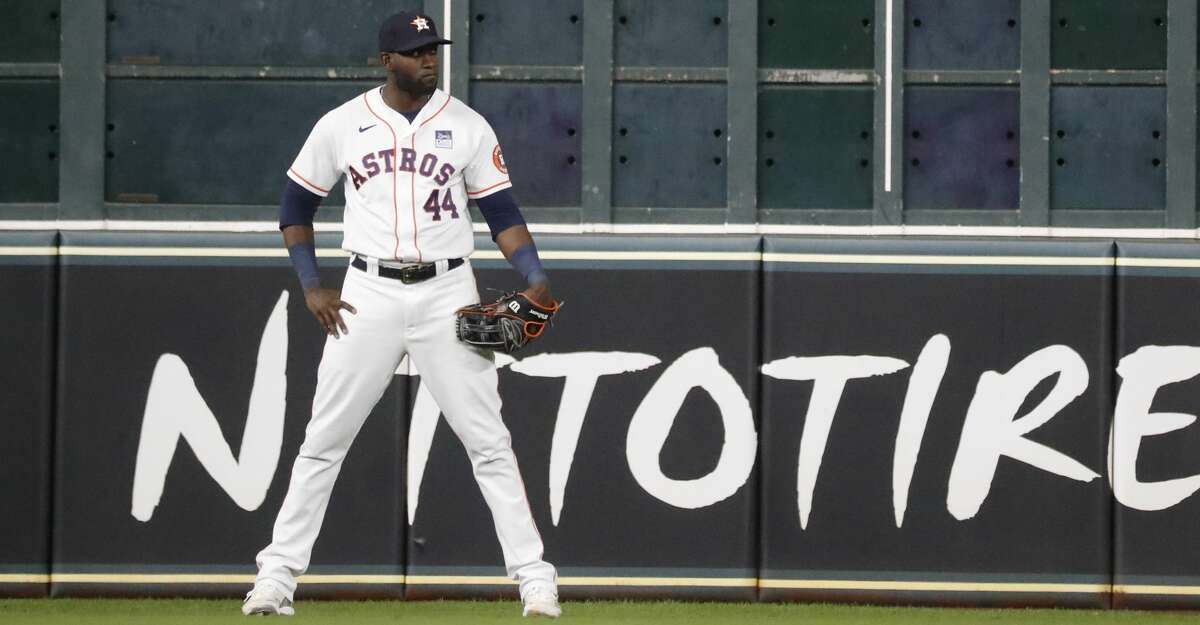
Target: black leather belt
{"x":411,"y":274}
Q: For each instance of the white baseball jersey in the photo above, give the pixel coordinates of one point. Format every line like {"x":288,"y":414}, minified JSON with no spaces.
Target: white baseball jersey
{"x":407,"y":184}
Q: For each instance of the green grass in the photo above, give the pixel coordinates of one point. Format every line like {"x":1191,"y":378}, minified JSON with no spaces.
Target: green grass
{"x":209,"y":612}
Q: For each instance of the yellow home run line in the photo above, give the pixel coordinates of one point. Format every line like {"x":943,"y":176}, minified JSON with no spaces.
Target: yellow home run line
{"x":206,"y":578}
{"x":1139,"y":589}
{"x":188,"y":252}
{"x":252,"y":252}
{"x":28,"y":251}
{"x":1158,"y":262}
{"x":660,"y":581}
{"x":770,"y":257}
{"x":889,"y":259}
{"x":670,"y":582}
{"x":588,"y":581}
{"x":668,"y":256}
{"x":836,"y":584}
{"x":23,"y":578}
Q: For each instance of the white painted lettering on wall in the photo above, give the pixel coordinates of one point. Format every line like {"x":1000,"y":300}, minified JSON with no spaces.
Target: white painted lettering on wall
{"x":175,"y":409}
{"x":582,"y":370}
{"x":923,"y":386}
{"x":698,"y":368}
{"x":992,"y":428}
{"x":1142,"y":373}
{"x":829,"y":375}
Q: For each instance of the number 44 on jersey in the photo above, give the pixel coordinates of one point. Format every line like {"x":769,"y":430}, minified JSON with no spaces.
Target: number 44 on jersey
{"x":434,"y":207}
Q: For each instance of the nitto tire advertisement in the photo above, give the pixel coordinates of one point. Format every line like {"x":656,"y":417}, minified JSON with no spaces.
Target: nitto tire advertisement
{"x":746,"y":418}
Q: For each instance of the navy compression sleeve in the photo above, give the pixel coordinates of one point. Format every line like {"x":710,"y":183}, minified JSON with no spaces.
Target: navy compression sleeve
{"x":298,"y":206}
{"x":525,"y":260}
{"x":501,"y":212}
{"x":304,"y":261}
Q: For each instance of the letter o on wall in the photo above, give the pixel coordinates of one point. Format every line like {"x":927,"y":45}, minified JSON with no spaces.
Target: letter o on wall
{"x":652,"y":422}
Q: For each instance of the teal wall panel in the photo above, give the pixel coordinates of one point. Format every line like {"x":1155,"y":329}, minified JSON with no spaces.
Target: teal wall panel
{"x":815,"y":147}
{"x":1103,"y":34}
{"x":232,"y":150}
{"x":31,"y":31}
{"x":668,"y":145}
{"x":28,"y":140}
{"x":1108,"y":148}
{"x":671,"y":32}
{"x":816,"y":33}
{"x":249,"y":32}
{"x":519,"y":32}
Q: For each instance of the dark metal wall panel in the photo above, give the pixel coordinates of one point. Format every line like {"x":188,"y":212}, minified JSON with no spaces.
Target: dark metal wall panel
{"x":668,"y":145}
{"x":203,"y":359}
{"x":889,"y":507}
{"x":81,"y":111}
{"x":233,"y":150}
{"x":674,"y":33}
{"x":1101,"y":34}
{"x":248,"y":32}
{"x":539,"y":126}
{"x":1181,"y":114}
{"x":519,"y":32}
{"x":29,"y":137}
{"x":1035,"y":113}
{"x":1157,"y":540}
{"x":814,"y":147}
{"x":597,"y":169}
{"x":951,"y":34}
{"x":961,"y":148}
{"x":31,"y":31}
{"x":610,"y":525}
{"x":1108,"y":147}
{"x":28,"y":271}
{"x":827,"y":34}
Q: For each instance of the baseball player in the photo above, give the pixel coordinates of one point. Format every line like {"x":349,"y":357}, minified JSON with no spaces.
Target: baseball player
{"x":411,"y":156}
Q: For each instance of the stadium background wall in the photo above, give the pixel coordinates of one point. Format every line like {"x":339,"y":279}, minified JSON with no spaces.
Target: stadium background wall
{"x":137,"y":464}
{"x":770,"y":418}
{"x":991,"y":113}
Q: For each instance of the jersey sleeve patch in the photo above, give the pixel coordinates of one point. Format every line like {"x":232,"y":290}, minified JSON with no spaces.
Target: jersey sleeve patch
{"x":498,"y":160}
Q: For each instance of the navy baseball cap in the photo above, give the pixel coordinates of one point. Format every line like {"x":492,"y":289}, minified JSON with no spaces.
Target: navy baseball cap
{"x":407,"y":31}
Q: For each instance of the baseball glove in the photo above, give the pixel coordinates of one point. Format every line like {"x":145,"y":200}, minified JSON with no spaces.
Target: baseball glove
{"x":505,"y":325}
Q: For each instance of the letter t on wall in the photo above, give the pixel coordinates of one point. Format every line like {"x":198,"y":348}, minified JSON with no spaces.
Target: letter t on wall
{"x":582,"y":370}
{"x":830,"y":374}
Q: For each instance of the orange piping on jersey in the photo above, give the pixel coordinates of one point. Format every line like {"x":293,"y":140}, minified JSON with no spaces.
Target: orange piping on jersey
{"x":412,"y":187}
{"x":438,"y":111}
{"x":307,"y":181}
{"x":395,"y":166}
{"x":413,"y":177}
{"x":474,"y":193}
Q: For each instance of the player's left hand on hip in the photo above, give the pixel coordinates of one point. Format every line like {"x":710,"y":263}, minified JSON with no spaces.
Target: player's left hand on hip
{"x":327,"y":306}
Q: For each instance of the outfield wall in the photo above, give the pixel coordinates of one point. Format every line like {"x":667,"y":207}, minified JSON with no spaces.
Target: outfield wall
{"x":907,"y":420}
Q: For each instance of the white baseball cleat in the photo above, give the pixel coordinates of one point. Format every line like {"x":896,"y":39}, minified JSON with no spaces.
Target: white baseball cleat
{"x":542,"y":600}
{"x":267,"y":598}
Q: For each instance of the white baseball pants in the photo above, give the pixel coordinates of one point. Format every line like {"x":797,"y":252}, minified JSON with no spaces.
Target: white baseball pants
{"x":395,"y":319}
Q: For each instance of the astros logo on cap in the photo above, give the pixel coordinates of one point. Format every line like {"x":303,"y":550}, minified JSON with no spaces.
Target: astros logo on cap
{"x":421,"y":23}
